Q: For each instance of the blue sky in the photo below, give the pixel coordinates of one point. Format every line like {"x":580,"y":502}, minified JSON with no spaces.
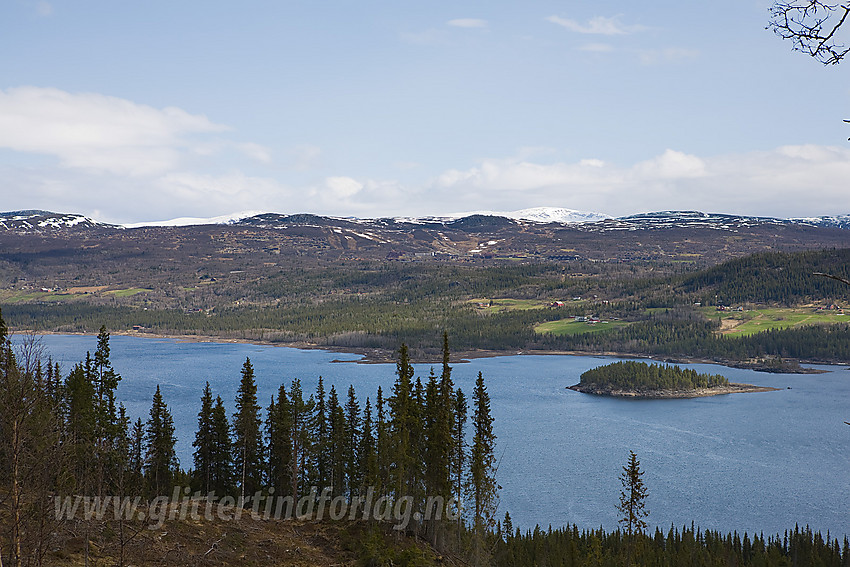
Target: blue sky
{"x":134,"y":111}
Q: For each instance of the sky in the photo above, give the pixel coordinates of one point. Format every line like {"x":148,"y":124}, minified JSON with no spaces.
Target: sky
{"x":140,"y":111}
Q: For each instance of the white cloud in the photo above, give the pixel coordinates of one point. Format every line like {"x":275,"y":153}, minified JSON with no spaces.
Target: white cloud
{"x":467,"y":23}
{"x":787,"y":181}
{"x":599,"y":25}
{"x":343,"y":187}
{"x":671,"y":165}
{"x":97,"y":132}
{"x":592,"y":162}
{"x":801,"y":180}
{"x":255,"y":151}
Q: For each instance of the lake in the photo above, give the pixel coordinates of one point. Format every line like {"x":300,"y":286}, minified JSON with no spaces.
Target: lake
{"x":756,"y":462}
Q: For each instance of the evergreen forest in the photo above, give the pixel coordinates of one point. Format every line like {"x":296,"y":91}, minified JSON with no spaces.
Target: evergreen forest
{"x":643,"y":377}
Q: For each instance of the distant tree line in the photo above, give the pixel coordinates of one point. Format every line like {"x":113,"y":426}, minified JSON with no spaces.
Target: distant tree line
{"x":573,"y":547}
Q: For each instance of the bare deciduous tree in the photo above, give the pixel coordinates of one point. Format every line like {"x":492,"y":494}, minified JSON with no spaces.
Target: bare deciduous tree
{"x":813,"y":26}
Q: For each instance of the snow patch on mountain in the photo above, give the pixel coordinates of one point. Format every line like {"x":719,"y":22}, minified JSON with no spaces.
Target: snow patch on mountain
{"x":193,"y":221}
{"x":32,"y":220}
{"x":535,"y":214}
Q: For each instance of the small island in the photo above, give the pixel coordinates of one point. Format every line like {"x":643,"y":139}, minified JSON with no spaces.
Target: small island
{"x":641,"y":380}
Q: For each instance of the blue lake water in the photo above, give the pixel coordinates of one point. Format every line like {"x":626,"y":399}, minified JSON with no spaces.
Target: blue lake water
{"x":758,"y":462}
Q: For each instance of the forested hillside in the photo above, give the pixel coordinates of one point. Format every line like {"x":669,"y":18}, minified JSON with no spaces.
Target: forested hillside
{"x":772,"y":277}
{"x":656,"y":309}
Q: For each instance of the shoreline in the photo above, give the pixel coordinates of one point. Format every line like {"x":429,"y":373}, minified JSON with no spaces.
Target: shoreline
{"x":371,"y":355}
{"x":732,"y":388}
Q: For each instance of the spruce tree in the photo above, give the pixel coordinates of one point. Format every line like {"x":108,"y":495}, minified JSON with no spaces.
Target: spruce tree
{"x":107,"y":457}
{"x":81,"y":412}
{"x":160,"y":457}
{"x":337,"y":443}
{"x":106,"y":379}
{"x":458,"y":457}
{"x":247,"y":440}
{"x":632,"y":506}
{"x":137,"y":455}
{"x":482,"y":469}
{"x":417,"y":442}
{"x":203,"y":442}
{"x":221,"y":451}
{"x":437,"y":449}
{"x":366,"y":452}
{"x":352,"y":442}
{"x":301,"y":437}
{"x":401,"y":427}
{"x":279,"y":431}
{"x":382,"y":444}
{"x":322,"y":449}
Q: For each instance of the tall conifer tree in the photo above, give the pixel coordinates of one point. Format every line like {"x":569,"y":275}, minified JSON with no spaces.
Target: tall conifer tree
{"x":460,"y":410}
{"x":366,"y":454}
{"x":161,"y":459}
{"x":382,"y":444}
{"x":279,"y":430}
{"x":302,"y":442}
{"x":247,"y":440}
{"x":632,"y":506}
{"x":482,"y":469}
{"x":221,"y":455}
{"x":337,"y":443}
{"x":203,"y":442}
{"x":401,"y":425}
{"x":322,"y":449}
{"x":352,"y":442}
{"x":81,"y":412}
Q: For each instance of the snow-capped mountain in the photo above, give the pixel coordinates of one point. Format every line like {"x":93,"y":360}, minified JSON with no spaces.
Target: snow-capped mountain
{"x":536,"y":214}
{"x":191,"y":221}
{"x":37,"y":220}
{"x":683,"y":219}
{"x":555,"y":214}
{"x":836,"y":221}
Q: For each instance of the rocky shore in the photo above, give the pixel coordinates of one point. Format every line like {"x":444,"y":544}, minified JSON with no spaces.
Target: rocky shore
{"x":670,"y":394}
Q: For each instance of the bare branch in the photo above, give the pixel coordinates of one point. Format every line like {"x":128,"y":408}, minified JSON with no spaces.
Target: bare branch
{"x":838,"y":278}
{"x":813,"y":27}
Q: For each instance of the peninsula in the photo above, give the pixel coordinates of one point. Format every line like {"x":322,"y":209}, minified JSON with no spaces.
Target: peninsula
{"x":654,"y":381}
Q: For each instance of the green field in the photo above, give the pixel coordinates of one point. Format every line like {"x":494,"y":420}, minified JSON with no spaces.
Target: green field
{"x":572,"y":327}
{"x":744,"y":323}
{"x":23,"y":296}
{"x":502,"y":305}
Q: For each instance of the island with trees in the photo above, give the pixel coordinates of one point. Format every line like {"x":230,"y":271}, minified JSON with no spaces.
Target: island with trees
{"x":630,"y":379}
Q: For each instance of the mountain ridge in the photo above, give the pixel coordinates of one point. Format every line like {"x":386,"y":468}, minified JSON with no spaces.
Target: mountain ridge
{"x":32,"y":220}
